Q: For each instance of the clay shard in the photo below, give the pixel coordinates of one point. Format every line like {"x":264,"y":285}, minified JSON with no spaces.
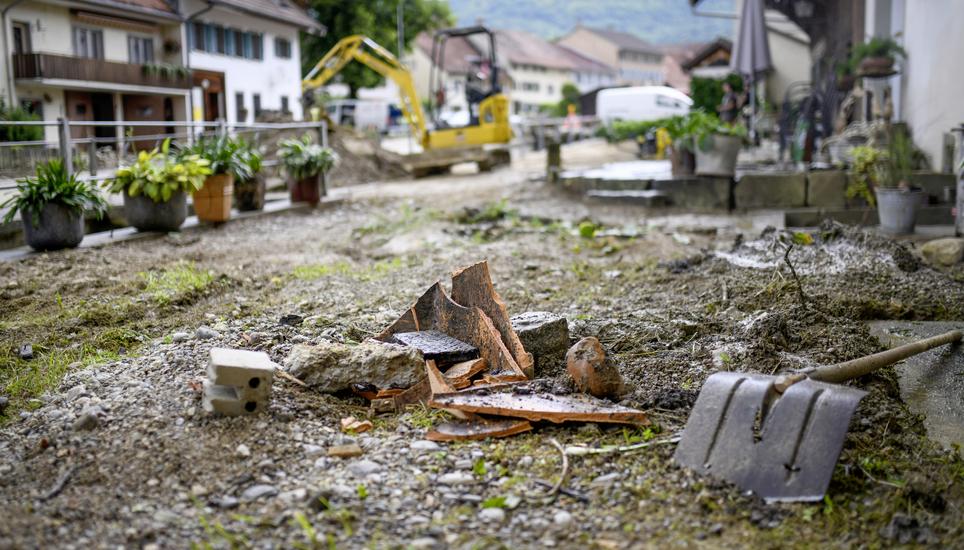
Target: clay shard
{"x":440,"y":385}
{"x":481,"y":428}
{"x":460,"y":375}
{"x":472,"y":287}
{"x":537,"y":406}
{"x":434,"y":310}
{"x":592,"y":371}
{"x":437,"y":346}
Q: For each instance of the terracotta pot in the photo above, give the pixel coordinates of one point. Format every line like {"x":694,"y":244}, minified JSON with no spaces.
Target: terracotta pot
{"x":683,"y":161}
{"x":305,"y":189}
{"x":213,"y":202}
{"x":249,"y":195}
{"x":876,"y":66}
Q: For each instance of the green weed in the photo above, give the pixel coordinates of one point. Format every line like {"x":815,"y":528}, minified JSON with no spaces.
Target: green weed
{"x":177,"y":284}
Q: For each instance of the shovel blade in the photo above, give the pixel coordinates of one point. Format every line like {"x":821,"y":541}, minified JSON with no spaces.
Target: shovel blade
{"x":782,"y":451}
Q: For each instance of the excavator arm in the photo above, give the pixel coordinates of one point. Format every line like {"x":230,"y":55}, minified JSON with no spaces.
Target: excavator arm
{"x":364,"y":50}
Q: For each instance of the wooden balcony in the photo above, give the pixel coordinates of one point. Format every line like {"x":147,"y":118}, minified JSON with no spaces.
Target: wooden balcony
{"x":52,"y":66}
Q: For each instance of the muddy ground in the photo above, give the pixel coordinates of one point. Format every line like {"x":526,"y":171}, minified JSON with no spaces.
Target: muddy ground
{"x":115,"y":334}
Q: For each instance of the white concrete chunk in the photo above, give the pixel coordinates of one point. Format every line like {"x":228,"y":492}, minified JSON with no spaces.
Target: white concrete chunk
{"x":231,"y":401}
{"x":240,"y":368}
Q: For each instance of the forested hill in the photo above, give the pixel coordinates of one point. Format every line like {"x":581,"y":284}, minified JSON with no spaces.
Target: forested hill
{"x":657,"y":21}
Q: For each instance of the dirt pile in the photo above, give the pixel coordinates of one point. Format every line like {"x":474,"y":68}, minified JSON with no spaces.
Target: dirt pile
{"x":360,"y":160}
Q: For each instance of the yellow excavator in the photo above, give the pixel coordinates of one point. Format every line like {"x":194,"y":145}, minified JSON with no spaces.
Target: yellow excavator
{"x":483,"y":141}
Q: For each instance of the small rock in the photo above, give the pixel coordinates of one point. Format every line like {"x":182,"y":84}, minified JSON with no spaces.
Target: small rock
{"x":424,"y":445}
{"x":362,"y":468}
{"x":313,"y":450}
{"x":332,"y":367}
{"x":294,"y":496}
{"x":546,"y":336}
{"x":604,"y":480}
{"x":345,"y":451}
{"x":179,"y":337}
{"x":75,"y":392}
{"x":716,"y":529}
{"x":205,"y":333}
{"x":89,"y":418}
{"x":492,"y":515}
{"x":199,"y":490}
{"x":562,"y":518}
{"x":424,"y":543}
{"x":258,"y":491}
{"x":291,"y":320}
{"x":592,"y":371}
{"x":526,"y":461}
{"x":943,"y":252}
{"x":26,"y":352}
{"x":456,"y":478}
{"x":4,"y":401}
{"x":243,"y":451}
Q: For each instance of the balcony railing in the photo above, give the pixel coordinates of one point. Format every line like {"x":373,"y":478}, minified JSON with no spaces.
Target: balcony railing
{"x":45,"y":65}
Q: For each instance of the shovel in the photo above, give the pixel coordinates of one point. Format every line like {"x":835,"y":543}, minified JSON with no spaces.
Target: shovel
{"x":780,"y":436}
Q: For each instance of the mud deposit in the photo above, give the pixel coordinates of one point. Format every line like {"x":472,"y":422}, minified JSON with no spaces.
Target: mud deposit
{"x":104,"y":442}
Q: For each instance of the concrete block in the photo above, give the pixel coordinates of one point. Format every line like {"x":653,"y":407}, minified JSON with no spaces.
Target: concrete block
{"x":827,"y":189}
{"x":694,"y":193}
{"x":241,"y":368}
{"x":231,"y":401}
{"x":771,"y":190}
{"x":629,"y":196}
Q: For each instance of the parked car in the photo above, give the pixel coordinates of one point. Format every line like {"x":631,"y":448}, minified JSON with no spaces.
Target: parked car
{"x":640,"y":103}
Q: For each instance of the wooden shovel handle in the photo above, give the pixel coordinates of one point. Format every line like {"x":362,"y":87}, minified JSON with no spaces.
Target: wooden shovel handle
{"x":864,"y":365}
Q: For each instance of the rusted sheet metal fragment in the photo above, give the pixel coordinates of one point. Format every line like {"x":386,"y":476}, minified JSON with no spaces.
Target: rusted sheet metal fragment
{"x":436,"y":346}
{"x":460,"y":375}
{"x":481,"y":428}
{"x":472,"y":287}
{"x":434,"y":310}
{"x":537,"y":406}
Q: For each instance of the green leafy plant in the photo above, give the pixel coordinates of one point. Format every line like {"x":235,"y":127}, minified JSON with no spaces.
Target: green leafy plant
{"x":19,"y":133}
{"x":901,"y":160}
{"x":707,"y":93}
{"x":157,"y":174}
{"x":225,"y":155}
{"x":253,"y":159}
{"x":700,"y":127}
{"x":165,"y":70}
{"x":52,"y":184}
{"x":303,"y":158}
{"x":877,"y":46}
{"x":866,"y":172}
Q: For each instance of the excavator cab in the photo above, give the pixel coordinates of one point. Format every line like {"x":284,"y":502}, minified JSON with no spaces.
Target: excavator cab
{"x":482,"y":75}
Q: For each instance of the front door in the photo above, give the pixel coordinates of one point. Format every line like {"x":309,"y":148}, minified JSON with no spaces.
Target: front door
{"x":212,"y":93}
{"x":21,"y":37}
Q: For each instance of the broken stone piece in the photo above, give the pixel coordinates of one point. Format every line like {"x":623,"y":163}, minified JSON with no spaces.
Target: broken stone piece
{"x":345,"y":451}
{"x":591,"y":370}
{"x":231,"y":401}
{"x":332,"y":367}
{"x":546,"y":336}
{"x":943,"y":252}
{"x":352,"y":424}
{"x":253,"y":370}
{"x":437,"y":346}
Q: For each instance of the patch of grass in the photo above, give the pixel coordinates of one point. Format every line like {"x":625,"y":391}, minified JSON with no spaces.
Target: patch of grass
{"x":494,"y":502}
{"x":420,"y":416}
{"x":178,"y":284}
{"x":490,"y":212}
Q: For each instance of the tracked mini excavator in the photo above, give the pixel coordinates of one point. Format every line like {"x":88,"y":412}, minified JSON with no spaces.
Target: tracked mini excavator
{"x":483,"y":141}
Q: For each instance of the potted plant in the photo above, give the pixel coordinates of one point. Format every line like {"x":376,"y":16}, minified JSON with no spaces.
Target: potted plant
{"x":897,"y":198}
{"x":866,"y":170}
{"x":681,"y":147}
{"x":155,"y":187}
{"x":52,"y":206}
{"x":875,"y":58}
{"x":304,"y":163}
{"x":212,"y":202}
{"x":249,"y":191}
{"x":717,"y":144}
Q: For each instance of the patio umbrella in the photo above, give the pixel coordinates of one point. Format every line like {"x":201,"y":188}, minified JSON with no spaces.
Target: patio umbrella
{"x":752,"y":53}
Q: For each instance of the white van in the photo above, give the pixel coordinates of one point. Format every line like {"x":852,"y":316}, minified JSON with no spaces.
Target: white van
{"x":363,"y":114}
{"x":640,"y":103}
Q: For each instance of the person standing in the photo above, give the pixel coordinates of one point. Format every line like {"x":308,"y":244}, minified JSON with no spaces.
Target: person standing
{"x":729,"y":107}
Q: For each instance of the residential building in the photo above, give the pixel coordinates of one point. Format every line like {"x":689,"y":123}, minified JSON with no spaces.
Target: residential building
{"x":674,"y":55}
{"x":460,"y":54}
{"x":587,"y":73}
{"x":95,"y":60}
{"x":245,"y":58}
{"x":635,"y":61}
{"x":712,"y":60}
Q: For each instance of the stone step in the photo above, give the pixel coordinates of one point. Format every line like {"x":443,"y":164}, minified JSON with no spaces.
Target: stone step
{"x":632,"y":196}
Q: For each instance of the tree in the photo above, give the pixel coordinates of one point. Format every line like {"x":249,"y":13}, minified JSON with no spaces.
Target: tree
{"x":707,"y":93}
{"x":375,"y":19}
{"x":570,"y":96}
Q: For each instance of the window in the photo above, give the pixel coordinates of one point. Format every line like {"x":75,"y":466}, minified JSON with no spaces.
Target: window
{"x":88,"y":42}
{"x":229,"y":42}
{"x":219,"y":39}
{"x":549,"y":89}
{"x":256,"y":99}
{"x":197,"y":36}
{"x":530,"y":86}
{"x":240,"y":112}
{"x":140,"y":49}
{"x":282,"y":48}
{"x":205,"y":37}
{"x":21,"y":37}
{"x":284,"y":104}
{"x":257,"y":46}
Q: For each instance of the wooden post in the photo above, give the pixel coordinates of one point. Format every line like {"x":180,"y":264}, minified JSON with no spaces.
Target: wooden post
{"x":553,"y":159}
{"x":66,"y":153}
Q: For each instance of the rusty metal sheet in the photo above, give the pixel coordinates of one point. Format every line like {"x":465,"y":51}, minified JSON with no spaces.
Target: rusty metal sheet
{"x":481,"y":428}
{"x":517,"y":402}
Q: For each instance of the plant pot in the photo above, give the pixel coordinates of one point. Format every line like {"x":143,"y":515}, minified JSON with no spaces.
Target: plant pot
{"x":876,"y":67}
{"x":59,"y":227}
{"x":719,"y":158}
{"x":249,"y":194}
{"x":683,"y":161}
{"x":213,"y":202}
{"x":897,"y":209}
{"x":845,"y":82}
{"x":305,"y":189}
{"x":147,"y":215}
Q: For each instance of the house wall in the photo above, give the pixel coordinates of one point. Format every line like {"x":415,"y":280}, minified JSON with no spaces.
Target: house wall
{"x":548,"y":83}
{"x":791,"y":62}
{"x":587,"y":81}
{"x":640,"y":69}
{"x":271,"y":77}
{"x":590,"y":45}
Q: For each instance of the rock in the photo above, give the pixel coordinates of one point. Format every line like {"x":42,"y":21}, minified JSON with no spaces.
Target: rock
{"x":492,"y":515}
{"x":294,"y":496}
{"x":313,"y":450}
{"x":89,"y":418}
{"x":591,"y":370}
{"x":423,"y":543}
{"x":362,"y":468}
{"x":546,"y":336}
{"x":291,"y":319}
{"x":562,"y":518}
{"x":456,"y":478}
{"x":424,"y":445}
{"x":75,"y":392}
{"x":258,"y":491}
{"x":331,"y":367}
{"x":4,"y":401}
{"x":943,"y":252}
{"x":179,"y":337}
{"x":228,"y":502}
{"x":604,"y":480}
{"x":345,"y":451}
{"x":905,"y":529}
{"x":205,"y":333}
{"x":243,"y":451}
{"x":26,"y":352}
